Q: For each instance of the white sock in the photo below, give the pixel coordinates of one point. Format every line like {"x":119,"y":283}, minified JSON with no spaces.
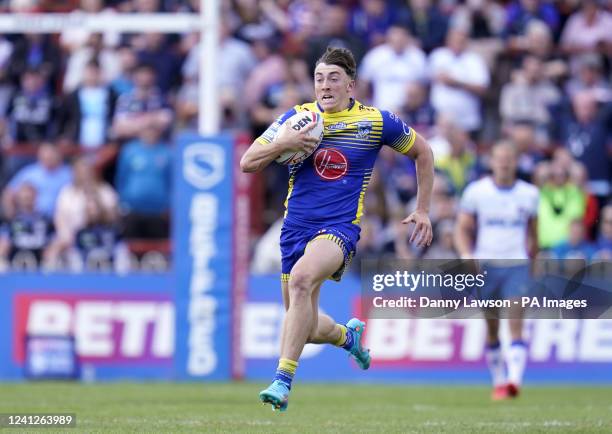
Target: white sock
{"x":517,"y":358}
{"x":495,"y":361}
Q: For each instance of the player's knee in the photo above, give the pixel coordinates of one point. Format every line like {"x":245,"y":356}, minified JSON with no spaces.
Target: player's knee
{"x":301,"y":286}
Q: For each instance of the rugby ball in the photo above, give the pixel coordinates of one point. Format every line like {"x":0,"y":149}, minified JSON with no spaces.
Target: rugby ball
{"x":297,"y":122}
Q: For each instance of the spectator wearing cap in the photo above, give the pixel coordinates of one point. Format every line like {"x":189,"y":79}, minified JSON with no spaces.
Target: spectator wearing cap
{"x":389,"y":67}
{"x":48,"y":176}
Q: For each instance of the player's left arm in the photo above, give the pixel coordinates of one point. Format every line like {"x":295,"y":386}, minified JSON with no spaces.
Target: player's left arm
{"x":422,"y":155}
{"x":405,"y":140}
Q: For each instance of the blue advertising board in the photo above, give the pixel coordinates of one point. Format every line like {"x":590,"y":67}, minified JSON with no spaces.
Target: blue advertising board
{"x":203,"y":255}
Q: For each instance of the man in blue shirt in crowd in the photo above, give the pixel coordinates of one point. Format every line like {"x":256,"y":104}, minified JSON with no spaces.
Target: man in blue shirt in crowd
{"x":48,"y":175}
{"x":143,"y":182}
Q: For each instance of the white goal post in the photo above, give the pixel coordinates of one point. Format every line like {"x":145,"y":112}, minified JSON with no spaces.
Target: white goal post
{"x":207,"y":22}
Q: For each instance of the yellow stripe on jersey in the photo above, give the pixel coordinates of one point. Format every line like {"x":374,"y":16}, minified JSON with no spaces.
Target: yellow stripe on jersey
{"x":405,"y":142}
{"x":364,"y":187}
{"x":289,"y":190}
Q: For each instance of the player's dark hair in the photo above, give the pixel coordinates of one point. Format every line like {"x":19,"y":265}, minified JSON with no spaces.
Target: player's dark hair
{"x":341,"y":57}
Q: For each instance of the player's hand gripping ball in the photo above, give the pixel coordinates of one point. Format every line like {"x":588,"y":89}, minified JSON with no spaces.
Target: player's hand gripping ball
{"x":302,"y":128}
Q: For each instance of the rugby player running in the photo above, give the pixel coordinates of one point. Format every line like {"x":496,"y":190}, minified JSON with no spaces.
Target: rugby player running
{"x":324,"y":207}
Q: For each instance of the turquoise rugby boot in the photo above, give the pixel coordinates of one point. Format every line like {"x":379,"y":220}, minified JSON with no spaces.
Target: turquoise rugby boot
{"x":277,"y":394}
{"x":357,"y":352}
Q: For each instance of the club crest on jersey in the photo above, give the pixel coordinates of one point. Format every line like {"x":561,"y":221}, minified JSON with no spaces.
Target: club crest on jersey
{"x":363,"y":129}
{"x":330,"y":164}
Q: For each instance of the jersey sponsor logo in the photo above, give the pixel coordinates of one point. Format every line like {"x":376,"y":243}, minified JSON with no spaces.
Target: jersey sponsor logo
{"x":364,"y":128}
{"x":336,"y":126}
{"x":330,"y":164}
{"x":363,"y":107}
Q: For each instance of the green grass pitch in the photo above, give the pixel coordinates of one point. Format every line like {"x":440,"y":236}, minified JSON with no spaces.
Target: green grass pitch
{"x":234,"y":407}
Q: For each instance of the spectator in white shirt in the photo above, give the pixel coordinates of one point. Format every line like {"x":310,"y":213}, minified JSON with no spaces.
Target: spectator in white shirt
{"x":389,"y":67}
{"x":587,"y":30}
{"x":459,"y":80}
{"x":71,"y":209}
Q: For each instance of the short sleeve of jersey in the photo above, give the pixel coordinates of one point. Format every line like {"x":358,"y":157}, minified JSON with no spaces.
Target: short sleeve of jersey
{"x":396,"y":133}
{"x":534,"y":202}
{"x":272,"y":130}
{"x":469,"y":202}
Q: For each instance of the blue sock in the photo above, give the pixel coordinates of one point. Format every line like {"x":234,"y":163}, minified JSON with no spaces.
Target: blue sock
{"x":285,"y":371}
{"x":284,"y":377}
{"x":348,"y":344}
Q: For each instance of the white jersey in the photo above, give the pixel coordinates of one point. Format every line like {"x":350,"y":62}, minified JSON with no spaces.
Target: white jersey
{"x":502,"y":217}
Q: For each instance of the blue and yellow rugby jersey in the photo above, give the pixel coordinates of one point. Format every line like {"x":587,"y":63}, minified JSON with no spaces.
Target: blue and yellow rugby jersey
{"x":330,"y":185}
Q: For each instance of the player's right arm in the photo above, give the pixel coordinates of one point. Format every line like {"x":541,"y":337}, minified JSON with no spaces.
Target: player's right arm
{"x":465,"y":227}
{"x":274,"y":141}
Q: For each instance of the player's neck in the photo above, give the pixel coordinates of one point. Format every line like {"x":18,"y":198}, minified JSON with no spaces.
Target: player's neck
{"x":504,"y":182}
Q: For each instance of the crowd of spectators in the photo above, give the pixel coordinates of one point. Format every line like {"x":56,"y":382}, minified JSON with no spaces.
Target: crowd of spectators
{"x":88,"y":120}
